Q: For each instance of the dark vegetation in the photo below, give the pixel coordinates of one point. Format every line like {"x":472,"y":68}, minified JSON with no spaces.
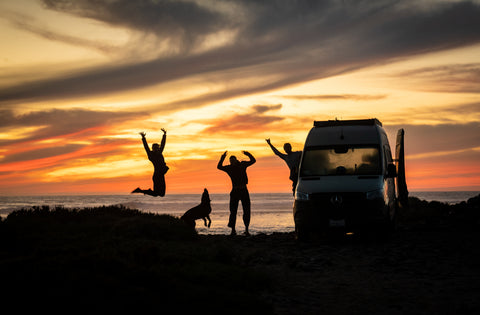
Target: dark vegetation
{"x":421,"y":213}
{"x":118,"y":260}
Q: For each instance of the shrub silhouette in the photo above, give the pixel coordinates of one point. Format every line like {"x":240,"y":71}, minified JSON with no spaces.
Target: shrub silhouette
{"x":114,"y":259}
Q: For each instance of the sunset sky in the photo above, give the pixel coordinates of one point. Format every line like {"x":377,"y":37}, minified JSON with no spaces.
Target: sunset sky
{"x":80,"y":79}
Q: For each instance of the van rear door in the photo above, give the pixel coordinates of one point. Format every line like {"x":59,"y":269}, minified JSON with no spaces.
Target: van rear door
{"x":402,"y":191}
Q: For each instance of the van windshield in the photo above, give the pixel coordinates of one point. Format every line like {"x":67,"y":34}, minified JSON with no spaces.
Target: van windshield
{"x":341,"y":160}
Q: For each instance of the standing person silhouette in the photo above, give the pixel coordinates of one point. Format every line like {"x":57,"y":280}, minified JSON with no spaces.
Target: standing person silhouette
{"x":160,"y":167}
{"x":238,"y":174}
{"x":292,"y":158}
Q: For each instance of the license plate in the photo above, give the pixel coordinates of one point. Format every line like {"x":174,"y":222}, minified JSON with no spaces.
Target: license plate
{"x":337,"y":223}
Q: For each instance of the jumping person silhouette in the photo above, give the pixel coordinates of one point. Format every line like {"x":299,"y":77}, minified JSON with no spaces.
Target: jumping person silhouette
{"x":238,"y":174}
{"x":160,"y":168}
{"x":292,"y":158}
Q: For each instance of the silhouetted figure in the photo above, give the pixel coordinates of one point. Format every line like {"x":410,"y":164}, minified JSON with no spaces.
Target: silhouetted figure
{"x":202,"y":211}
{"x":160,"y":168}
{"x":292,"y":158}
{"x":238,"y":174}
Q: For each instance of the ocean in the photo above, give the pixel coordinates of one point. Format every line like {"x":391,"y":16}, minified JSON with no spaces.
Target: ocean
{"x":271,"y":212}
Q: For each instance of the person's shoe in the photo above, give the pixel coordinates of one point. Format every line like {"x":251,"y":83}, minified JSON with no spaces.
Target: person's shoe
{"x":233,"y":232}
{"x":137,"y":190}
{"x":246,"y":233}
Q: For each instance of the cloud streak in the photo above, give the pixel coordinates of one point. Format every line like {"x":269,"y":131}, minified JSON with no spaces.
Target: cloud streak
{"x":30,"y":24}
{"x":255,"y":120}
{"x":339,"y":97}
{"x":439,"y":115}
{"x":292,"y":42}
{"x":456,"y":78}
{"x":56,"y":122}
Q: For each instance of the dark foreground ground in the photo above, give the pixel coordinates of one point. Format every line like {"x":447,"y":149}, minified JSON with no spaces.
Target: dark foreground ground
{"x":116,"y":260}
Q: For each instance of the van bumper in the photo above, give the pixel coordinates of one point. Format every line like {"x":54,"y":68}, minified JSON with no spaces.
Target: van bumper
{"x":350,"y":211}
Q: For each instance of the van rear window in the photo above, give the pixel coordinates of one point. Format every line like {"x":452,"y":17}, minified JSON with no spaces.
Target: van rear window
{"x":341,"y":160}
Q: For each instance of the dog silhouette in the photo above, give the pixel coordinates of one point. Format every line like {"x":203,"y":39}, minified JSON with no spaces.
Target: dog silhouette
{"x":202,"y":211}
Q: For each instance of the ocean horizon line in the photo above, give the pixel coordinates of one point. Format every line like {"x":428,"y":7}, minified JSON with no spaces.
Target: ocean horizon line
{"x":211,"y":193}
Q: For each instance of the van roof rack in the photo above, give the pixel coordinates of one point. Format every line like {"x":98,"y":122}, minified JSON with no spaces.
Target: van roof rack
{"x":358,"y":122}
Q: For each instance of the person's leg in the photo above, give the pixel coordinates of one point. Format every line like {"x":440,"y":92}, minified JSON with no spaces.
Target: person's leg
{"x":294,"y":178}
{"x":145,"y":192}
{"x":149,"y":192}
{"x":233,"y":210}
{"x":246,"y":209}
{"x":159,"y":185}
{"x":137,"y":190}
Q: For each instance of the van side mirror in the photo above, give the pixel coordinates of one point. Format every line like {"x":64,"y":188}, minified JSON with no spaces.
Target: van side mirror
{"x":391,"y":171}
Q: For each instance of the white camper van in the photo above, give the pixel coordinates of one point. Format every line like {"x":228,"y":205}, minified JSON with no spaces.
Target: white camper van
{"x":347,"y":178}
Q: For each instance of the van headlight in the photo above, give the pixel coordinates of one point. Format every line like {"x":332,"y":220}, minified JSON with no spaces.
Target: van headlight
{"x":374,"y":194}
{"x":301,"y":196}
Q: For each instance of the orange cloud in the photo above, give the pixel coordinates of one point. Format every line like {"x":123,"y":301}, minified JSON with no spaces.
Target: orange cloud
{"x":252,"y":121}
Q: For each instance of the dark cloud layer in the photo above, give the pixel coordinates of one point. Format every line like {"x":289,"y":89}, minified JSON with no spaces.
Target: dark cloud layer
{"x":184,"y":23}
{"x":293,"y":41}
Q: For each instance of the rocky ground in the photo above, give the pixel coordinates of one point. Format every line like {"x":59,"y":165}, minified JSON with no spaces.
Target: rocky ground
{"x":431,"y":265}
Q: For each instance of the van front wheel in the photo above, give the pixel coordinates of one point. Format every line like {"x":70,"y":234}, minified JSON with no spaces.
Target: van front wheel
{"x":301,"y":233}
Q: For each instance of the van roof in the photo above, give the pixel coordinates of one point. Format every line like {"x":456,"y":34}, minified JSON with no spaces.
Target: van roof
{"x":342,"y":132}
{"x":357,"y":122}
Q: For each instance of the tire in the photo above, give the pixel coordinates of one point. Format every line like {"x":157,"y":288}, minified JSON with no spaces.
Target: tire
{"x":302,"y":234}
